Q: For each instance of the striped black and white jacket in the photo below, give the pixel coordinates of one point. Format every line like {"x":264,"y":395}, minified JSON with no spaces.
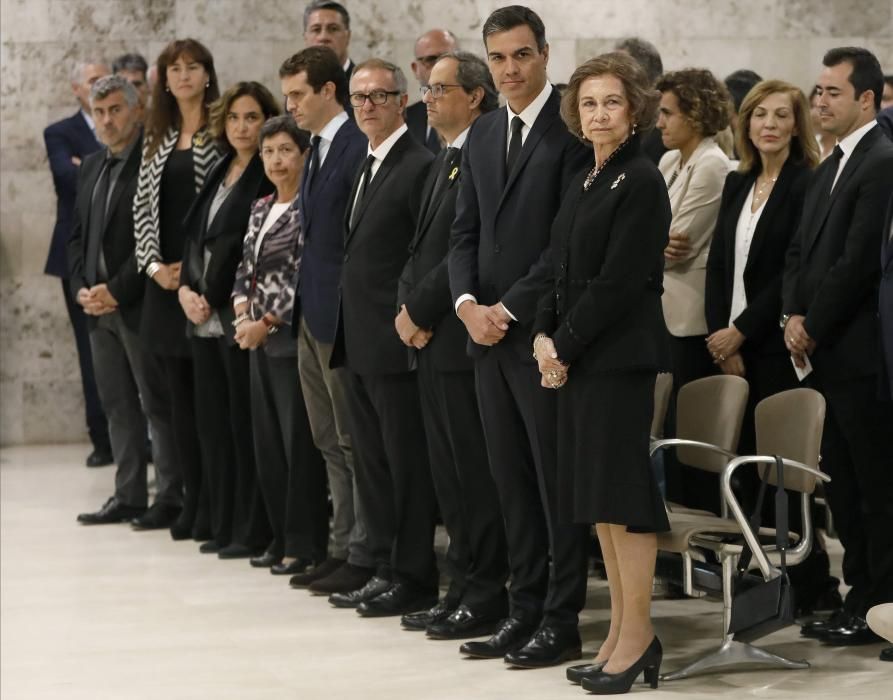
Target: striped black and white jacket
{"x":146,"y":227}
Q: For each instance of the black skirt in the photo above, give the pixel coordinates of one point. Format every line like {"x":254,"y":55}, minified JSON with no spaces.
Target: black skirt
{"x":604,"y":470}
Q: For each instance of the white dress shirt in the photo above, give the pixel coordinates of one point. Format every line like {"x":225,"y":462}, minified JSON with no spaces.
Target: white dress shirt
{"x":459,"y":141}
{"x":747,"y":224}
{"x":380,"y":154}
{"x":848,"y":145}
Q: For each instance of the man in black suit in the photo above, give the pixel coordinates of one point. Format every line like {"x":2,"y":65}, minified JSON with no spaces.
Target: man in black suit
{"x":428,"y":48}
{"x":830,"y":307}
{"x":68,"y":142}
{"x":516,"y":166}
{"x":392,"y":473}
{"x":327,"y":23}
{"x":315,"y":88}
{"x":458,"y":91}
{"x":109,"y":288}
{"x":885,"y":305}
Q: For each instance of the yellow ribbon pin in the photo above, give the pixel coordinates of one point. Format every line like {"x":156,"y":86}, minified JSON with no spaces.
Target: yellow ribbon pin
{"x":453,"y":173}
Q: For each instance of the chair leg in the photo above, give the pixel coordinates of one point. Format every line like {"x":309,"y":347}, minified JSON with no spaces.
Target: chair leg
{"x":733,"y":653}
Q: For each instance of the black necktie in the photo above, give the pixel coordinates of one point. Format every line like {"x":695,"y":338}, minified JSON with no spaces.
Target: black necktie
{"x":314,"y":162}
{"x":96,"y":223}
{"x":835,"y":158}
{"x":514,"y":145}
{"x":364,"y":183}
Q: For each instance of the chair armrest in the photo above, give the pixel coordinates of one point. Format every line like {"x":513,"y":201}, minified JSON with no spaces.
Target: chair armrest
{"x":673,"y":442}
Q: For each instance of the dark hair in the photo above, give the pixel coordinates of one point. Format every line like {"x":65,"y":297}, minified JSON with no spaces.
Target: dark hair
{"x":702,"y":98}
{"x":130,"y":62}
{"x":165,"y":113}
{"x":739,"y":84}
{"x":643,"y":99}
{"x":866,"y":73}
{"x":284,"y":125}
{"x":506,"y":18}
{"x":326,"y":5}
{"x":473,"y":73}
{"x":321,"y":66}
{"x":217,"y":118}
{"x":645,"y":53}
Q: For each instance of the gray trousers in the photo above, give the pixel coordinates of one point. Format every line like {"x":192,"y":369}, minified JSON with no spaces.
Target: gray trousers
{"x":130,"y":394}
{"x":324,"y":396}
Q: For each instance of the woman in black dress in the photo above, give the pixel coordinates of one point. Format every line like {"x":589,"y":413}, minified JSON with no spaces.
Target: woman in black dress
{"x":215,"y":227}
{"x":600,"y":339}
{"x":178,"y":153}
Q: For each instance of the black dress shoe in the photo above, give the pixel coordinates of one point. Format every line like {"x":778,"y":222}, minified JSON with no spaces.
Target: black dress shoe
{"x":886,"y":654}
{"x":264,"y":561}
{"x":319,"y":571}
{"x":112,"y":511}
{"x":549,"y":646}
{"x":375,"y":586}
{"x":420,"y":619}
{"x":463,"y":623}
{"x":295,"y":566}
{"x":398,"y":599}
{"x":576,"y":674}
{"x":511,"y":634}
{"x":238,"y":551}
{"x":817,"y":629}
{"x":602,"y":683}
{"x":210,"y":547}
{"x":344,"y":579}
{"x":158,"y":517}
{"x":100,"y":458}
{"x":854,"y":634}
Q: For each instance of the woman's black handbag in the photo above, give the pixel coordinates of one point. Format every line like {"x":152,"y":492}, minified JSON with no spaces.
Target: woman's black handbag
{"x":762,"y":607}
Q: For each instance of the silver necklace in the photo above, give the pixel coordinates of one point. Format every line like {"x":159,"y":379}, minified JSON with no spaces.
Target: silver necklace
{"x":596,"y":169}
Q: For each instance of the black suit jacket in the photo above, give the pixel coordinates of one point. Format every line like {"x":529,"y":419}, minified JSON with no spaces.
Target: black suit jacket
{"x":66,"y":139}
{"x":223,"y":237}
{"x":503,"y":220}
{"x":322,"y":221}
{"x":417,"y":123}
{"x":425,"y":282}
{"x":764,"y":269}
{"x":125,"y":282}
{"x":832,"y":272}
{"x":604,"y":312}
{"x":886,"y":306}
{"x":374,"y":253}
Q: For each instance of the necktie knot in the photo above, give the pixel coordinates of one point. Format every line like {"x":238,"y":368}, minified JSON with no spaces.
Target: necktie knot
{"x":517,"y":125}
{"x":837,"y":153}
{"x":314,"y":141}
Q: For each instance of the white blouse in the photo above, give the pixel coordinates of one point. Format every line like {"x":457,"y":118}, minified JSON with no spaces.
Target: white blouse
{"x":747,"y":224}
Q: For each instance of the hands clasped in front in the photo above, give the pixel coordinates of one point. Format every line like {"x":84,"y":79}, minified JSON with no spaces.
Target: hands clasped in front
{"x":724,"y":346}
{"x":486,"y":325}
{"x":411,"y":335}
{"x":97,"y":300}
{"x":195,"y":306}
{"x":797,"y":340}
{"x":552,"y":370}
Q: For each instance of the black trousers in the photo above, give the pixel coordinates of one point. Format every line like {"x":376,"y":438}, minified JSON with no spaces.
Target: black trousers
{"x":97,"y":424}
{"x":477,"y":558}
{"x":520,"y":424}
{"x":857,"y":455}
{"x":290,"y":470}
{"x":393,"y":476}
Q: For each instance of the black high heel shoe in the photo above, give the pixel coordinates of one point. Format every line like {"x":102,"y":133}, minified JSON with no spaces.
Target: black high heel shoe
{"x":576,"y":674}
{"x":616,"y":683}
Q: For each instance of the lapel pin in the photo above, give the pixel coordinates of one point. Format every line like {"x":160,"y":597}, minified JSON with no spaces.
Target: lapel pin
{"x":453,"y":173}
{"x":616,"y":182}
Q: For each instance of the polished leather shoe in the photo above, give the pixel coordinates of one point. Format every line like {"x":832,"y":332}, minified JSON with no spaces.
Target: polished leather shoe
{"x":463,"y":623}
{"x":295,"y":566}
{"x":375,"y":586}
{"x":112,"y":511}
{"x":398,"y":599}
{"x":264,"y":561}
{"x":210,"y":547}
{"x":886,"y":654}
{"x":817,"y":629}
{"x":158,"y":517}
{"x":549,"y":646}
{"x":603,"y":683}
{"x":420,"y":619}
{"x":854,"y":634}
{"x":99,"y":458}
{"x":319,"y":571}
{"x":344,"y":579}
{"x":511,"y":634}
{"x":238,"y":551}
{"x":576,"y":674}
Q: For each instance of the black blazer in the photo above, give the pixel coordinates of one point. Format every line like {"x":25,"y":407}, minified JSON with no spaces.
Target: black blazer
{"x":764,"y":269}
{"x":322,"y":220}
{"x":125,"y":282}
{"x":832,"y":272}
{"x":503,"y":220}
{"x":374,"y":253}
{"x":886,"y":306}
{"x":604,"y":311}
{"x":425,"y":282}
{"x":66,"y":139}
{"x":223,"y":238}
{"x":417,"y":123}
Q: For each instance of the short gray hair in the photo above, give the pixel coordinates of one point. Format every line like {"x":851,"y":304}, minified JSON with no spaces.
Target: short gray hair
{"x":473,"y":73}
{"x":645,"y":53}
{"x":77,"y":69}
{"x":105,"y":86}
{"x":400,"y":83}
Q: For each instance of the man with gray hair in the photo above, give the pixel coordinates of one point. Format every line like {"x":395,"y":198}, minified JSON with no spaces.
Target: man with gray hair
{"x":428,"y":48}
{"x":134,"y":67}
{"x":109,"y":288}
{"x":68,"y":142}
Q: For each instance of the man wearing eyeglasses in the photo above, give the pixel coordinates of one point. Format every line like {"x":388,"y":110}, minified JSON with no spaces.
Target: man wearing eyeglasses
{"x":396,"y":497}
{"x":428,"y":48}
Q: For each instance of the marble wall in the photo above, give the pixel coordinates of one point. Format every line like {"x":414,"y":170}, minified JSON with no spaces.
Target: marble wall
{"x":40,"y":397}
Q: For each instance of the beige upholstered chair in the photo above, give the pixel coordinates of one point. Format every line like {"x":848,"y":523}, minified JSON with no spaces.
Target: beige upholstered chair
{"x":663,"y":387}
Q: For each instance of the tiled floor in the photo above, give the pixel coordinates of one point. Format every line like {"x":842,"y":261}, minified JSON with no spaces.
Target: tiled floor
{"x":104,"y":612}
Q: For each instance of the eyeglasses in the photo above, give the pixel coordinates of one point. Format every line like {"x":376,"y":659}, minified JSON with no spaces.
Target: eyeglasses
{"x":376,"y":97}
{"x":437,"y":90}
{"x":427,"y":61}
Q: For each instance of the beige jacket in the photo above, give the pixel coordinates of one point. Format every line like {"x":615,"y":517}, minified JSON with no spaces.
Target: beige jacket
{"x":694,"y":198}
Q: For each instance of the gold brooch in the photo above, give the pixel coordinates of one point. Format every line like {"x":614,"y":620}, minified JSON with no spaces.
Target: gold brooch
{"x":199,"y":139}
{"x":616,"y":182}
{"x":453,"y":173}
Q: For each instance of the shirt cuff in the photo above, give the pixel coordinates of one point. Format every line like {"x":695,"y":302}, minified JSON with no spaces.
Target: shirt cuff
{"x":464,"y":298}
{"x":511,"y":315}
{"x":241,"y":299}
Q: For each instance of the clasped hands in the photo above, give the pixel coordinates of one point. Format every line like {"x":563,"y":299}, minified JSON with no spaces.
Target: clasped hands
{"x":553,"y":371}
{"x":486,"y":325}
{"x":195,"y":306}
{"x":723,"y":346}
{"x":97,"y":300}
{"x":411,"y":335}
{"x":168,"y":276}
{"x":797,"y":340}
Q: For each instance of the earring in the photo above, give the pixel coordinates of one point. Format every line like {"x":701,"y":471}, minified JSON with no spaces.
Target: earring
{"x":167,"y":89}
{"x":208,"y":84}
{"x":634,"y":129}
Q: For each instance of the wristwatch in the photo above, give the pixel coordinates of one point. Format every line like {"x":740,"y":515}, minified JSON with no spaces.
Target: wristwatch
{"x":783,"y":321}
{"x":271,"y":327}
